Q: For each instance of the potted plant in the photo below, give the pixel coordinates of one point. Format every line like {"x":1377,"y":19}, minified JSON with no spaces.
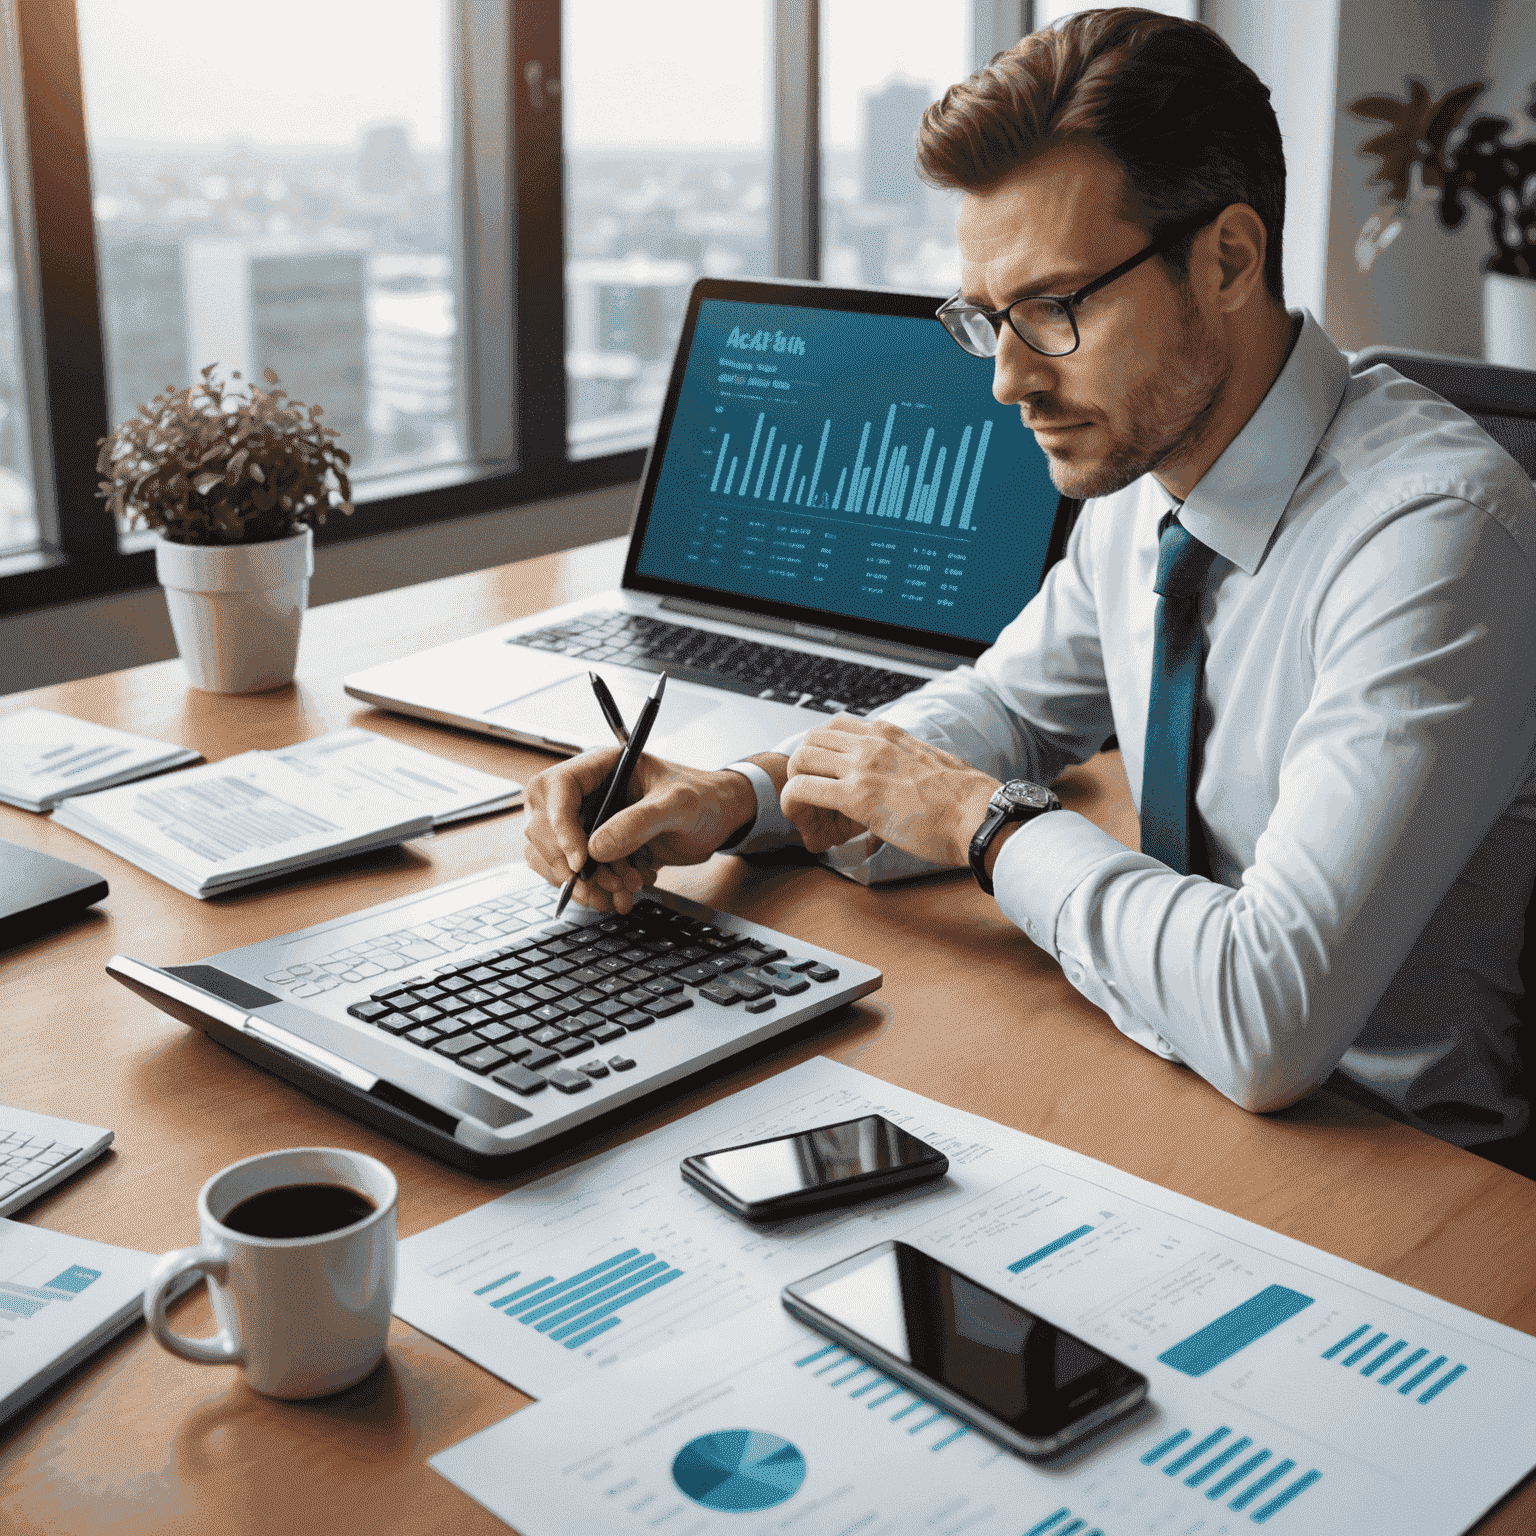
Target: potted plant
{"x":232,"y":485}
{"x":1419,"y":166}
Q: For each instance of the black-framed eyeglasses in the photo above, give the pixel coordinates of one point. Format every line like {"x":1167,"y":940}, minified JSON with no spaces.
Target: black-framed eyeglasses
{"x":1047,"y":322}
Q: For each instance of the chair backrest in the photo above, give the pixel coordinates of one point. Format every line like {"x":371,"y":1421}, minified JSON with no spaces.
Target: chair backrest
{"x":1502,"y":401}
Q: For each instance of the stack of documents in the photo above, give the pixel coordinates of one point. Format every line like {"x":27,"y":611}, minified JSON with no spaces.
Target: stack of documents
{"x":227,"y":824}
{"x":61,"y":1298}
{"x":44,"y":758}
{"x":401,"y":775}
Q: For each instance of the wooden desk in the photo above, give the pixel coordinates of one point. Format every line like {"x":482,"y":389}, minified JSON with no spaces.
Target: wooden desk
{"x":971,"y":1013}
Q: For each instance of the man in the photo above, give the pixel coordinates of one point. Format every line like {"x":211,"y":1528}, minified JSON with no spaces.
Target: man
{"x":1301,"y":600}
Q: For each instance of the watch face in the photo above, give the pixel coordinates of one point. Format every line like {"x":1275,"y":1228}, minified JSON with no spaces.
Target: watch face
{"x":1020,"y":792}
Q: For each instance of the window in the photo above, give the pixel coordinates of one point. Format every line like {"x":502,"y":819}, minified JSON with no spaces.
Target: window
{"x":882,"y":63}
{"x":279,"y":196}
{"x":1048,"y":11}
{"x":666,"y":180}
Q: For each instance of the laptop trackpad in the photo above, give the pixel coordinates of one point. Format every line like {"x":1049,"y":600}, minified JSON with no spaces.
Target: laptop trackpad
{"x":567,"y":711}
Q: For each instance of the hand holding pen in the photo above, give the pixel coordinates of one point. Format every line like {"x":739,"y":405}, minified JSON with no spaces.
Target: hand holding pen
{"x":614,"y":789}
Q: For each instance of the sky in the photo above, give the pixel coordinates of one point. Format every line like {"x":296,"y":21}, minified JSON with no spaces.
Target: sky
{"x":689,"y":74}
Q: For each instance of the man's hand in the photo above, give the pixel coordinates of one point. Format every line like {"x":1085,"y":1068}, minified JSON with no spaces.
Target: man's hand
{"x":678,"y":816}
{"x":852,"y":774}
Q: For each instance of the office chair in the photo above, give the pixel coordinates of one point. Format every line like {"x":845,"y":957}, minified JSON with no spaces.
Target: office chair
{"x":1502,"y":401}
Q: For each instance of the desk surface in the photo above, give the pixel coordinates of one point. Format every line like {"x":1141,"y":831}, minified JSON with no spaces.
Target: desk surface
{"x":139,"y":1441}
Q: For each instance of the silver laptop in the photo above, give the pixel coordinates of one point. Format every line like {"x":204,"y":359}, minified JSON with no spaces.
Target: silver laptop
{"x":467,"y":1022}
{"x":834,"y":511}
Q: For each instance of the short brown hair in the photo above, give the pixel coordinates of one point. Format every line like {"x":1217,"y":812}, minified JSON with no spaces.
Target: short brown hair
{"x":1188,"y":122}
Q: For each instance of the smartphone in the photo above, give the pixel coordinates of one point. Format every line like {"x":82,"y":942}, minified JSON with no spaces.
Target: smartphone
{"x":1021,"y":1381}
{"x":813,"y":1170}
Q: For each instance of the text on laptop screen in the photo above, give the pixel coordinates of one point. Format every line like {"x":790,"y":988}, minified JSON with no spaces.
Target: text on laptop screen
{"x":852,"y":463}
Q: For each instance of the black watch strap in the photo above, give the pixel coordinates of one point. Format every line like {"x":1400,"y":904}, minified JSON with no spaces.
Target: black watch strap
{"x":1016,"y":801}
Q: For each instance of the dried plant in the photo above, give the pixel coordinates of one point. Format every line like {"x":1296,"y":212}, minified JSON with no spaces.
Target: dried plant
{"x":209,"y":465}
{"x":1418,"y":167}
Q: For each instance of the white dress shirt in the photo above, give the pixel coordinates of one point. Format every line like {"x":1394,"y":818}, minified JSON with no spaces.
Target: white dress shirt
{"x":1368,"y":768}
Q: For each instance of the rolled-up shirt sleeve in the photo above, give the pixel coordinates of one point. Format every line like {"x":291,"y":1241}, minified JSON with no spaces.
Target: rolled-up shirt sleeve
{"x":1418,"y":733}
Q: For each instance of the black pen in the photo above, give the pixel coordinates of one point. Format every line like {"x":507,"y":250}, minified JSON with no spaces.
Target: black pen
{"x":610,"y":709}
{"x":613,"y":794}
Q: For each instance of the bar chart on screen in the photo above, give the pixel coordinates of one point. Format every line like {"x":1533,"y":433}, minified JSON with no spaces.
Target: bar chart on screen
{"x":885,"y":477}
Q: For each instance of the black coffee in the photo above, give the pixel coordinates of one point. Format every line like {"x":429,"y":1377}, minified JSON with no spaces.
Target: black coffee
{"x":299,"y":1210}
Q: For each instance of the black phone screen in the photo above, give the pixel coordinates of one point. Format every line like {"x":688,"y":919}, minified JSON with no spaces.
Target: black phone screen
{"x":1019,"y":1368}
{"x":769,"y":1171}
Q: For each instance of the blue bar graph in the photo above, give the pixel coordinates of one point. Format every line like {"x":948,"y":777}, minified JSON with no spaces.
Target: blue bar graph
{"x":897,"y":485}
{"x":1397,"y":1364}
{"x":1020,"y":1265}
{"x":576,"y":1310}
{"x":1235,"y":1330}
{"x":1236,"y":1461}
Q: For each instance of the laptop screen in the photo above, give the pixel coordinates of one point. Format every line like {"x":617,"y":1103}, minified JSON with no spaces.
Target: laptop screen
{"x":844,"y":464}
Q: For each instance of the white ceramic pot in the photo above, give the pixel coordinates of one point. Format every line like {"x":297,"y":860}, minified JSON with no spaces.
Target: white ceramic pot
{"x":1509,"y":320}
{"x":236,"y":609}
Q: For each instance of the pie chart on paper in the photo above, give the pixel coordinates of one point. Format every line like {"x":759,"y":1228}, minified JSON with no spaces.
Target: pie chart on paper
{"x":740,"y":1470}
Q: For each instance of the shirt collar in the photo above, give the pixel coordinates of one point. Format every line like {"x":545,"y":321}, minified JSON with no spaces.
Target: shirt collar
{"x":1240,"y":498}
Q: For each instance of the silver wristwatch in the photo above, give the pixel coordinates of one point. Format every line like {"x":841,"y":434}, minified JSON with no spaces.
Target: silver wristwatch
{"x":1017,"y":800}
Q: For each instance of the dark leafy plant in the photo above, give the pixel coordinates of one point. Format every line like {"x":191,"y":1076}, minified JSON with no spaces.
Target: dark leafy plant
{"x":1418,"y":166}
{"x":210,"y":465}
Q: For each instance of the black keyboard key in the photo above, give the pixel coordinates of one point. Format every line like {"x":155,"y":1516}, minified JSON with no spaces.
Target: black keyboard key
{"x":482,"y":973}
{"x":486,"y":1059}
{"x":541,"y":1058}
{"x":394,"y":1023}
{"x":501,"y":1010}
{"x":762,"y":1005}
{"x":423,"y":1035}
{"x":575,"y":1046}
{"x":636,"y":997}
{"x":612,"y":986}
{"x":610,"y":1007}
{"x":368,"y":1012}
{"x":783,"y":980}
{"x":588,"y":975}
{"x":543,"y":995}
{"x":458,"y":984}
{"x":520,"y":1080}
{"x":801,"y":965}
{"x":663,"y":986}
{"x":593,"y":1069}
{"x":721,"y":992}
{"x":549,"y":1013}
{"x":548,"y":1035}
{"x":763,"y":953}
{"x":536,"y":973}
{"x":749,"y":989}
{"x":605,"y":1033}
{"x":496,"y":1032}
{"x":472,"y":1018}
{"x":819,"y":972}
{"x":458,"y":1045}
{"x":584,"y":1022}
{"x":426,"y":1014}
{"x":665,"y":1007}
{"x":638,"y":975}
{"x":635,"y":1019}
{"x":697,"y":975}
{"x":568,"y":1081}
{"x":621,"y":1063}
{"x":476,"y":997}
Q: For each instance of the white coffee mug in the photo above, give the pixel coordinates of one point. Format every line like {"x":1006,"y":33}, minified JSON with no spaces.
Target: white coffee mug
{"x":304,"y":1315}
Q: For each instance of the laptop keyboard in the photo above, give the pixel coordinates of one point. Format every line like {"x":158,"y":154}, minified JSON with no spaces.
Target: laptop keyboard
{"x":519,"y":1012}
{"x":25,"y":1158}
{"x":775,"y":672}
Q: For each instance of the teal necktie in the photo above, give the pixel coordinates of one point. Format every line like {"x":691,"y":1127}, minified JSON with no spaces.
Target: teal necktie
{"x":1170,"y":827}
